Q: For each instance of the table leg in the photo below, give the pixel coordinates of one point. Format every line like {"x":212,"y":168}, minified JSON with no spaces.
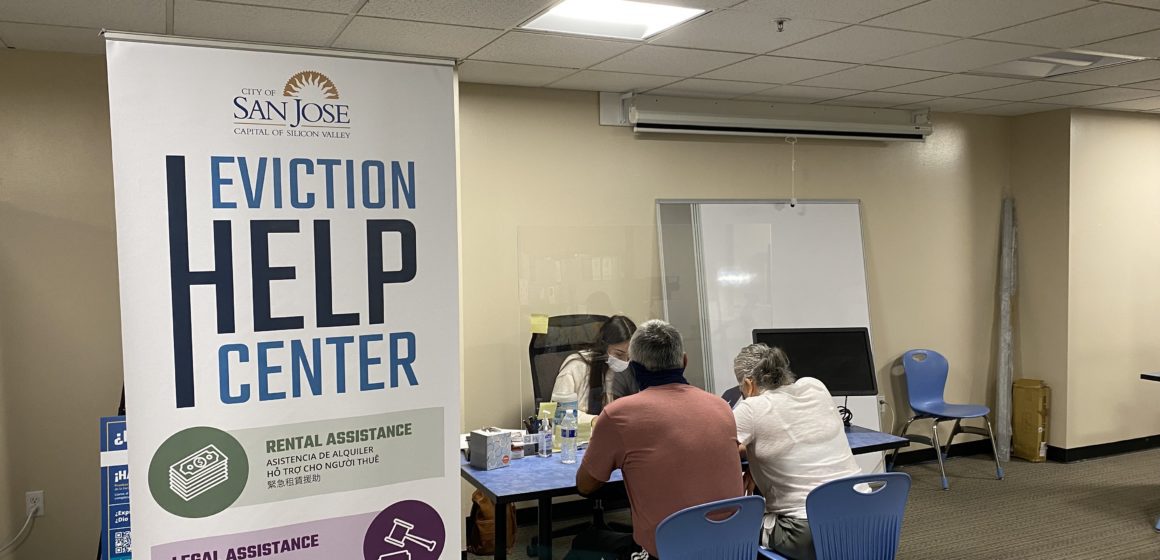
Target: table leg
{"x":545,"y":512}
{"x":501,"y":531}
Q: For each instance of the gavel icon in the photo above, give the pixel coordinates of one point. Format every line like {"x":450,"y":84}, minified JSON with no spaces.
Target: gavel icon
{"x":401,"y":533}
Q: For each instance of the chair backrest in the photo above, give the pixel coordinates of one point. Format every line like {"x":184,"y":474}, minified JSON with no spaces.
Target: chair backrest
{"x":567,"y":334}
{"x":851,"y":525}
{"x":709,"y":532}
{"x":926,"y":377}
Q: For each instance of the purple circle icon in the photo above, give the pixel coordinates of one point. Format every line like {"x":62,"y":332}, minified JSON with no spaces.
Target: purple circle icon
{"x":407,"y":530}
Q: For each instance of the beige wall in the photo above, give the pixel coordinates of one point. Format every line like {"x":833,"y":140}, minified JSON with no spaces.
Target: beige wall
{"x":536,"y":160}
{"x":60,"y":364}
{"x":1114,"y":302}
{"x":1040,"y":179}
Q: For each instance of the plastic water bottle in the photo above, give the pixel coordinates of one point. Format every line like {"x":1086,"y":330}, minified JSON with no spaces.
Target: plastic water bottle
{"x":568,"y":438}
{"x":545,"y":449}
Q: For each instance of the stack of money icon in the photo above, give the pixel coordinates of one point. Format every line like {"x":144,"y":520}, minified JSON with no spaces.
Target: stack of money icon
{"x":199,"y":472}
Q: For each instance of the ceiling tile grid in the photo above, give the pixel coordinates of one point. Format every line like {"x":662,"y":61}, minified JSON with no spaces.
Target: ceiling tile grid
{"x":1098,"y":22}
{"x":669,"y":61}
{"x":480,"y":71}
{"x":597,"y":80}
{"x":968,"y":18}
{"x":413,"y":37}
{"x":862,"y":44}
{"x":842,"y":11}
{"x":872,"y":53}
{"x":551,"y":50}
{"x":776,"y":70}
{"x":478,"y":13}
{"x":739,"y":31}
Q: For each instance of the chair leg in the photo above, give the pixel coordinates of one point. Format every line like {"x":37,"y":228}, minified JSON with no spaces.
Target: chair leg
{"x":958,"y":429}
{"x":894,"y":453}
{"x":938,"y":453}
{"x":995,"y":450}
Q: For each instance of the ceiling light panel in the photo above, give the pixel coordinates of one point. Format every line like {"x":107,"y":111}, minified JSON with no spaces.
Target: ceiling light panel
{"x":621,"y":19}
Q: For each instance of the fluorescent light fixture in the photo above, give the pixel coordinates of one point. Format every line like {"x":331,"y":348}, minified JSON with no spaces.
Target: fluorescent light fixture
{"x":611,"y":18}
{"x":1055,"y":64}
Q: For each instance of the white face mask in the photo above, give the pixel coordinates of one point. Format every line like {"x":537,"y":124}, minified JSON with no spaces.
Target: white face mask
{"x":616,"y":364}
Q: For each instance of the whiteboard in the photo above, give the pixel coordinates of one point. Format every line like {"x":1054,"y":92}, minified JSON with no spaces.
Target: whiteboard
{"x":767,"y":265}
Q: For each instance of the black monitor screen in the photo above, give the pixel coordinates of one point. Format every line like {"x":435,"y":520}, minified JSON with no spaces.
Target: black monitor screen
{"x":840,"y":358}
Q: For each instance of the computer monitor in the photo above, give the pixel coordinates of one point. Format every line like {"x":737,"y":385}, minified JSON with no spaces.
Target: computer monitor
{"x":840,"y":357}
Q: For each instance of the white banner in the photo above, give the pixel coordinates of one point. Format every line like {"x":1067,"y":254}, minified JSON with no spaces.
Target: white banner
{"x":286,"y":234}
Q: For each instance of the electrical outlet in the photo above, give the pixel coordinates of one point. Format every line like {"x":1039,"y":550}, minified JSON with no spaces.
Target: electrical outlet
{"x":34,"y":503}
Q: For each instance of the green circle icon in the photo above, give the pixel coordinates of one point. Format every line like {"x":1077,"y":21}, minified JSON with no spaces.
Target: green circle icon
{"x":198,"y":472}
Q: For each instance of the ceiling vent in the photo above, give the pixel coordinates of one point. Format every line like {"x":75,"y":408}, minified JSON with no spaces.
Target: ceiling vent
{"x":1055,"y":63}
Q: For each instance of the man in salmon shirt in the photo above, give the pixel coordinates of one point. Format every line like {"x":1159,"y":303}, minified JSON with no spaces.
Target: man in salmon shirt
{"x":675,"y":444}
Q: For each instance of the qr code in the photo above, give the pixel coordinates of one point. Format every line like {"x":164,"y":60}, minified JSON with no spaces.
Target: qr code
{"x":122,"y":543}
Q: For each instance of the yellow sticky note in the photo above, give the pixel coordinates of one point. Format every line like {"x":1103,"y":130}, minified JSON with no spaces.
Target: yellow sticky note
{"x":539,"y":324}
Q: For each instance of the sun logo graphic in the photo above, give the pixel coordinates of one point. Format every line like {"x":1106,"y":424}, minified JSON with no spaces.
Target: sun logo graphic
{"x":310,"y":84}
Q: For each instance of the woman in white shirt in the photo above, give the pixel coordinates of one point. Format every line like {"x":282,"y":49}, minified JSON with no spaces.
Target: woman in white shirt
{"x":599,"y":375}
{"x":795,"y":442}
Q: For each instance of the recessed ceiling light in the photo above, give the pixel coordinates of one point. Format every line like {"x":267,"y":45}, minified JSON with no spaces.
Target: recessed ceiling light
{"x":611,"y":18}
{"x":1055,"y":64}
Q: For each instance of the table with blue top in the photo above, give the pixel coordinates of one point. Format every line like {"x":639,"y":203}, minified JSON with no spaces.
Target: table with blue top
{"x":543,"y":478}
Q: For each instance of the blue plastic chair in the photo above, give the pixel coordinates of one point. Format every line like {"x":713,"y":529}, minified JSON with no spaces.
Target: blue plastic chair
{"x":694,"y":534}
{"x":851,"y":525}
{"x":926,"y":378}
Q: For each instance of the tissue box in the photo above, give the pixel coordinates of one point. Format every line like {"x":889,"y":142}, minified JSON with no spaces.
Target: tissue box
{"x":490,"y":448}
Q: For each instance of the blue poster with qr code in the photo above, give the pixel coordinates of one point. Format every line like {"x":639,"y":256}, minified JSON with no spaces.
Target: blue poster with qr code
{"x":116,"y":544}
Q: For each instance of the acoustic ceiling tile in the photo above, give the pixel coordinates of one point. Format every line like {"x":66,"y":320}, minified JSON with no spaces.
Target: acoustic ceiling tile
{"x":1099,"y":96}
{"x":484,"y":72}
{"x":192,"y":18}
{"x":879,"y":99}
{"x":862,"y":45}
{"x":969,"y":18}
{"x":476,"y":13}
{"x":669,"y":61}
{"x":147,"y":16}
{"x":776,"y":70}
{"x":964,"y":55}
{"x":955,"y":84}
{"x":1029,"y":91}
{"x":596,"y":80}
{"x":551,"y":50}
{"x":1098,"y":22}
{"x":413,"y":37}
{"x":739,"y":31}
{"x":845,"y":11}
{"x":870,"y":78}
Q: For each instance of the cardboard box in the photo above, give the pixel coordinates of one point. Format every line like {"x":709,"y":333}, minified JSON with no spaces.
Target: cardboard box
{"x":1030,"y":399}
{"x":489,"y":448}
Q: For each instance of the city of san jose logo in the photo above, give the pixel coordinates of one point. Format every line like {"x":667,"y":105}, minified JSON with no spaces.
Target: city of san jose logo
{"x":309,"y":99}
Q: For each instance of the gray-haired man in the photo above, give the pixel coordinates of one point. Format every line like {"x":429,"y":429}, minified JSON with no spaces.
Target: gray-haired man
{"x":675,"y":444}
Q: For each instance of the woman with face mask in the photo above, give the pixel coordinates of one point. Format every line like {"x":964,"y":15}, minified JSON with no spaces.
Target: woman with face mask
{"x":599,"y":375}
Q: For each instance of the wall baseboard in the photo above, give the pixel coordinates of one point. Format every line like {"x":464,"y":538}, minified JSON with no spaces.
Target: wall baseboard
{"x":1073,"y":454}
{"x":977,"y":447}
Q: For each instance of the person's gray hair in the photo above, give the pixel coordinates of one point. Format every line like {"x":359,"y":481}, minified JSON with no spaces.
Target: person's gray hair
{"x":657,"y":346}
{"x":767,"y":367}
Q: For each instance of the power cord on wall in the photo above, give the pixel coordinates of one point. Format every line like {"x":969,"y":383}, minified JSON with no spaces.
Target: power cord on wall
{"x":882,"y":461}
{"x":19,"y":534}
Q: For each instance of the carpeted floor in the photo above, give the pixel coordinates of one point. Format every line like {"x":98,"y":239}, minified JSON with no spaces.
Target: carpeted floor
{"x":1100,"y":509}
